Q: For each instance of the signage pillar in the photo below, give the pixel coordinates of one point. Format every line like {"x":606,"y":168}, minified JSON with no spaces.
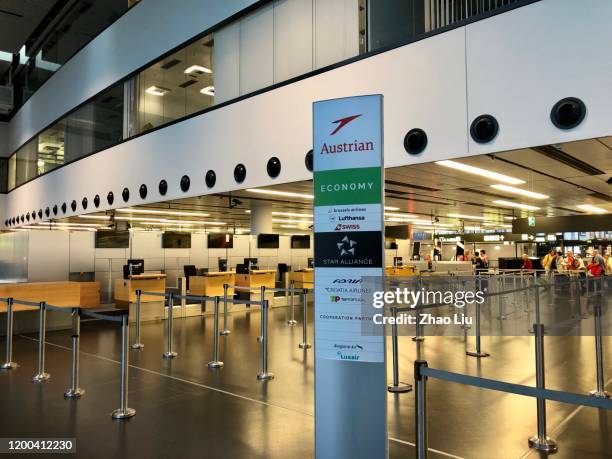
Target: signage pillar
{"x":350,"y":369}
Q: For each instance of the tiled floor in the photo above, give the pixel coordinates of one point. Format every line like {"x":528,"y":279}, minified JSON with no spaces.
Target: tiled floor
{"x":186,"y":410}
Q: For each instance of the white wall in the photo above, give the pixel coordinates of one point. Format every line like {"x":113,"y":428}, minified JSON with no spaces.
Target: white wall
{"x":147,"y":31}
{"x":425,"y":84}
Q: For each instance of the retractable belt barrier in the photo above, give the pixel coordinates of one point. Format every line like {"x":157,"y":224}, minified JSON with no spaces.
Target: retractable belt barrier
{"x":74,"y":391}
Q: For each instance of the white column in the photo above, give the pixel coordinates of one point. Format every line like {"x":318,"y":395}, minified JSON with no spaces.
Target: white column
{"x":261,"y":218}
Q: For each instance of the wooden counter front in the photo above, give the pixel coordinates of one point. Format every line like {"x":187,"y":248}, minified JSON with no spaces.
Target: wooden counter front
{"x":211,"y":283}
{"x":125,"y":289}
{"x":400,"y":271}
{"x":62,"y":293}
{"x":303,"y":278}
{"x":257,"y":278}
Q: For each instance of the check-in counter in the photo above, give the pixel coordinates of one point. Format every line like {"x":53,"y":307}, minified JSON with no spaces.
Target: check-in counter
{"x":211,"y":283}
{"x":152,"y":307}
{"x":302,"y":278}
{"x":255,"y":280}
{"x":62,"y":294}
{"x":400,"y":271}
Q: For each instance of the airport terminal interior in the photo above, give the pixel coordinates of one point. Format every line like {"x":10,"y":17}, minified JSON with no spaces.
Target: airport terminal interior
{"x":177,"y":250}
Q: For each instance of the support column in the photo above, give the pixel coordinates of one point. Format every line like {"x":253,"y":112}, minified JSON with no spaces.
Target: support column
{"x":261,"y":217}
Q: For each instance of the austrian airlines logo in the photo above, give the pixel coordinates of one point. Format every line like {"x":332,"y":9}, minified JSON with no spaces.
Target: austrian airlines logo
{"x":343,"y":122}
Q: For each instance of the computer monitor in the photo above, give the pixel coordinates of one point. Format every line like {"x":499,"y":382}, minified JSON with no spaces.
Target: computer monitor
{"x":397,"y":261}
{"x":222,"y":264}
{"x":311,"y":262}
{"x":135,"y":266}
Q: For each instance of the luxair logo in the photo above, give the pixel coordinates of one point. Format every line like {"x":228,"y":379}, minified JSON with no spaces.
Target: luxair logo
{"x":345,"y":147}
{"x":346,"y":247}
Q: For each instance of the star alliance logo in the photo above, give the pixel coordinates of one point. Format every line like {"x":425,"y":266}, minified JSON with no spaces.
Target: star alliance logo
{"x":346,"y":246}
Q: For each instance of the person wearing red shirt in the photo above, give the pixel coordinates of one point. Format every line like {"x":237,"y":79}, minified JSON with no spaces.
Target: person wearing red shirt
{"x":527,"y":264}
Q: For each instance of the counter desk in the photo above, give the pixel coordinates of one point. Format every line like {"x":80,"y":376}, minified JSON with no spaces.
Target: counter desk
{"x":151,"y":307}
{"x":62,"y":294}
{"x":303,"y":278}
{"x":211,"y":283}
{"x":400,"y":271}
{"x":255,"y":280}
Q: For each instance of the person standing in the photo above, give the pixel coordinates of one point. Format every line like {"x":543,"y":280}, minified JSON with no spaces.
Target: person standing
{"x":547,"y":264}
{"x":527,"y":264}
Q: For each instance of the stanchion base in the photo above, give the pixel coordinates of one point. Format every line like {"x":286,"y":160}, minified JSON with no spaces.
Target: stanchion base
{"x":170,"y":355}
{"x":9,"y":366}
{"x":265,"y":376}
{"x":137,"y":346}
{"x":304,"y":346}
{"x":74,"y":393}
{"x":543,"y":444}
{"x":215,"y":364}
{"x":41,"y":377}
{"x":123,"y":414}
{"x":418,"y":338}
{"x":600,"y":394}
{"x":292,"y":322}
{"x":225,"y":332}
{"x":477,"y":354}
{"x":400,"y":388}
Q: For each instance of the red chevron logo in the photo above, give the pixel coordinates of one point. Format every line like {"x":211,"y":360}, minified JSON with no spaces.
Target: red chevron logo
{"x":343,"y":122}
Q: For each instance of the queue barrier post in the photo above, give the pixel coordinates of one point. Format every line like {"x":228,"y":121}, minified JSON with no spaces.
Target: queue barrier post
{"x":420,"y":409}
{"x":74,"y":391}
{"x":124,"y":412}
{"x":304,"y":344}
{"x":41,"y":375}
{"x":478,"y":352}
{"x":8,"y":362}
{"x":292,"y":320}
{"x":170,"y":354}
{"x":541,"y":441}
{"x":396,"y":387}
{"x":264,"y":374}
{"x":138,"y":345}
{"x":215,"y":362}
{"x":225,"y":330}
{"x":600,"y":392}
{"x":418,"y":335}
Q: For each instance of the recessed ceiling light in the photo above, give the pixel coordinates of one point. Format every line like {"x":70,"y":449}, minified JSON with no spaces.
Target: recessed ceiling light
{"x":518,"y":205}
{"x":198,"y":70}
{"x":593,"y":209}
{"x":208,"y":90}
{"x":466,"y":217}
{"x":511,"y":189}
{"x":482,"y":172}
{"x":288,"y":194}
{"x":157,"y":90}
{"x":164,"y":212}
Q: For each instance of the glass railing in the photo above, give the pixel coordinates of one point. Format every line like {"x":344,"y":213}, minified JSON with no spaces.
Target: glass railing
{"x":283,"y":39}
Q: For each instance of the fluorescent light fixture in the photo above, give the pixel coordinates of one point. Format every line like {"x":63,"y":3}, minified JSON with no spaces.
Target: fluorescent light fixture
{"x":293,"y":227}
{"x":90,"y":225}
{"x":62,"y":227}
{"x":518,"y":205}
{"x":281,"y":220}
{"x":509,"y":218}
{"x":291,"y":214}
{"x":482,"y":172}
{"x":466,"y":217}
{"x":391,"y":208}
{"x":472,"y":228}
{"x":288,"y":194}
{"x":157,"y":91}
{"x":96,"y":217}
{"x":165,"y":220}
{"x":422,"y":223}
{"x":593,"y":209}
{"x":406,"y":216}
{"x":208,"y":91}
{"x":198,"y":69}
{"x":499,"y":225}
{"x":175,"y":213}
{"x":511,"y":189}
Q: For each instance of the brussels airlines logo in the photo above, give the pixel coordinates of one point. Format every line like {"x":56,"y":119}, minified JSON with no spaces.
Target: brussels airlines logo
{"x":343,"y":122}
{"x":355,"y":146}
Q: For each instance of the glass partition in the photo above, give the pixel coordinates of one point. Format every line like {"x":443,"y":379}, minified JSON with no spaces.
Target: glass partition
{"x":26,"y":162}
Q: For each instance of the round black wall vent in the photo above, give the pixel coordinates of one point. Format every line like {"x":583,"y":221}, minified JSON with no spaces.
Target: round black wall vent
{"x":84,"y":203}
{"x":274,"y":167}
{"x":240,"y":173}
{"x":97,"y":200}
{"x":309,"y":160}
{"x":484,"y":128}
{"x":568,"y":113}
{"x":163,"y":187}
{"x":110,"y":198}
{"x":125,"y":194}
{"x":143,"y":191}
{"x":415,"y":141}
{"x":73,"y":205}
{"x":211,"y":178}
{"x":185,"y":183}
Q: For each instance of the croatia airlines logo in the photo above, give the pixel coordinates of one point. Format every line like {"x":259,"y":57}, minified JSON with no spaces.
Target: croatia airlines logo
{"x":343,"y":122}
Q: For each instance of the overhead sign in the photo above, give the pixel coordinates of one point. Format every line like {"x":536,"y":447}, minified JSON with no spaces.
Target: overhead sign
{"x":350,"y":369}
